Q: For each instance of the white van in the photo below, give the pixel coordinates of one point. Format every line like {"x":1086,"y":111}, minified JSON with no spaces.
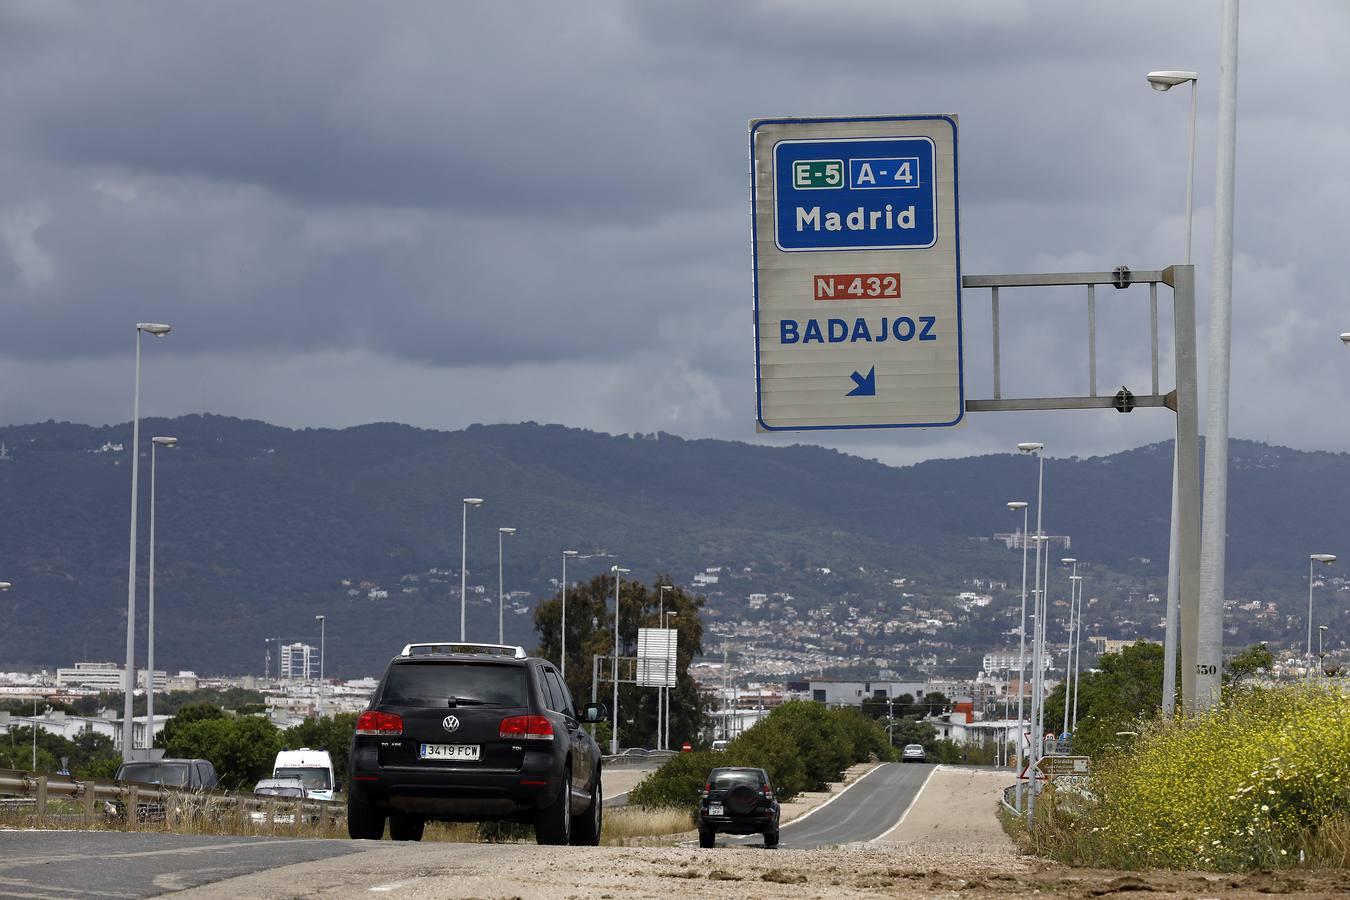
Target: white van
{"x":313,"y":767}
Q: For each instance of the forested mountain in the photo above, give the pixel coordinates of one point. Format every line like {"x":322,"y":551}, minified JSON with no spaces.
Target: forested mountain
{"x":259,"y":526}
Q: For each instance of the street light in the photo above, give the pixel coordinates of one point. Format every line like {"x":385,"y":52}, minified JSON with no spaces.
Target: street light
{"x":1165,"y":81}
{"x":1325,"y":559}
{"x":323,"y":649}
{"x":619,"y":572}
{"x":501,"y":602}
{"x":1014,"y":506}
{"x":665,"y":735}
{"x":661,"y":688}
{"x":128,"y":734}
{"x":1073,"y":620}
{"x":1038,"y":675}
{"x":1077,"y":580}
{"x":566,"y":553}
{"x":155,"y":444}
{"x":1345,"y":337}
{"x":5,"y":585}
{"x":463,"y":554}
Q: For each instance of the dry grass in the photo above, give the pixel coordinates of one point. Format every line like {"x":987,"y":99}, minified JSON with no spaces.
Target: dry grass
{"x":210,"y":816}
{"x":624,"y":823}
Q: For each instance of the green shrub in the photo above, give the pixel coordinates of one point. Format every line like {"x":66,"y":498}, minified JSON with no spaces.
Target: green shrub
{"x":802,"y":745}
{"x":1245,"y":786}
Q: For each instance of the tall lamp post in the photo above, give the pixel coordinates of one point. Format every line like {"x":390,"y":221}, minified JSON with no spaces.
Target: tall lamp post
{"x":1073,"y":621}
{"x":661,"y":688}
{"x":1038,"y":673}
{"x":128,"y":734}
{"x":323,"y":648}
{"x":1165,"y":81}
{"x":463,"y":561}
{"x":501,"y":595}
{"x":1077,"y":654}
{"x":619,"y":572}
{"x":155,"y":444}
{"x":565,"y":555}
{"x":1014,"y":506}
{"x":1325,"y":559}
{"x":665,"y":736}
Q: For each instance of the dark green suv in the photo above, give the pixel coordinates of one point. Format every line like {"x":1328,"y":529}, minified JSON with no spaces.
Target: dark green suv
{"x":738,"y":800}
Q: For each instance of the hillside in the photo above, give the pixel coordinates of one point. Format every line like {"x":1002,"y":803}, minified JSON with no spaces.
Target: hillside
{"x":259,"y":526}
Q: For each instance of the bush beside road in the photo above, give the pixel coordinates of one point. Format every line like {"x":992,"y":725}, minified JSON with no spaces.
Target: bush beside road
{"x":1263,"y":781}
{"x":803,"y":746}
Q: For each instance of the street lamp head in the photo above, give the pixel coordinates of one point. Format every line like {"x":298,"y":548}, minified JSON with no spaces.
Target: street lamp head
{"x":474,"y":501}
{"x":5,"y":585}
{"x":156,"y":328}
{"x":569,"y":553}
{"x":1015,"y":505}
{"x":1165,"y":81}
{"x":672,"y":614}
{"x":1075,"y":577}
{"x":507,"y":530}
{"x":165,"y":441}
{"x":1345,"y":337}
{"x":1321,"y":627}
{"x":318,"y":618}
{"x":1325,"y":559}
{"x":1030,"y":446}
{"x":619,"y":569}
{"x":1068,"y":560}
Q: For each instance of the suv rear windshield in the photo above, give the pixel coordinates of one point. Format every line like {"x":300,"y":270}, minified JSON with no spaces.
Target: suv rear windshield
{"x":437,"y":684}
{"x":725,"y":781}
{"x":167,"y":774}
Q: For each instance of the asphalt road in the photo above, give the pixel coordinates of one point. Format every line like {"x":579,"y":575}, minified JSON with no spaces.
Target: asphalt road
{"x":863,"y":811}
{"x":61,"y":864}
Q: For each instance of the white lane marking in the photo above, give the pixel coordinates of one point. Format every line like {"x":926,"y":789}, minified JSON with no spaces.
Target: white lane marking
{"x":834,"y":797}
{"x":391,"y":886}
{"x":915,"y":799}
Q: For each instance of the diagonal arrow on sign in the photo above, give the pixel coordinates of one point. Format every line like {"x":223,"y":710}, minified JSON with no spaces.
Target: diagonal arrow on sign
{"x":866,"y":384}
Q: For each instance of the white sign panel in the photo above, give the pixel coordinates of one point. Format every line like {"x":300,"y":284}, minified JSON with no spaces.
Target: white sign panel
{"x":656,"y":657}
{"x":857,"y":273}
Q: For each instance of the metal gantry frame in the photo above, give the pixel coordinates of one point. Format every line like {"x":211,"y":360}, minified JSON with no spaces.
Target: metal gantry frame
{"x":1200,"y":676}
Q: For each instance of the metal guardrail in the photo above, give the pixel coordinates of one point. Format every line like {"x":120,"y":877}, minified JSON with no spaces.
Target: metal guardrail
{"x":635,"y":758}
{"x":38,"y":788}
{"x":1009,"y":799}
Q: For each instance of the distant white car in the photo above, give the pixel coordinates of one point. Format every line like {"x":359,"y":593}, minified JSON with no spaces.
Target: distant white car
{"x":719,"y":745}
{"x":912,"y":753}
{"x":313,"y":767}
{"x":282,"y":789}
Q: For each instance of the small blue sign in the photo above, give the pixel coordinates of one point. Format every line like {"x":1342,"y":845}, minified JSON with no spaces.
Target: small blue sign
{"x":866,"y":194}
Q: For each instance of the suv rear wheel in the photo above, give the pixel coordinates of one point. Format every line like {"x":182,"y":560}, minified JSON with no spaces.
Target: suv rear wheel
{"x":406,"y":828}
{"x":586,"y":830}
{"x":771,"y":839}
{"x":707,"y":839}
{"x":554,"y":822}
{"x":365,"y":821}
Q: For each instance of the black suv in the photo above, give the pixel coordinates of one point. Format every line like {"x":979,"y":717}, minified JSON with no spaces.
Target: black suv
{"x":474,"y":733}
{"x":738,"y":801}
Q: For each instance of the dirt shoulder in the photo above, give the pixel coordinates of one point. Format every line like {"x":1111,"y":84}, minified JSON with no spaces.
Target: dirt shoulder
{"x":957,"y":810}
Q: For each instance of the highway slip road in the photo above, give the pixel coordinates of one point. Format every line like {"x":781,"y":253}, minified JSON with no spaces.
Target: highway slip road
{"x":863,"y":811}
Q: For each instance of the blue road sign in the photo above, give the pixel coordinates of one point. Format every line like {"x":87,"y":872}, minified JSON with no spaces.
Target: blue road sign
{"x":860,"y":194}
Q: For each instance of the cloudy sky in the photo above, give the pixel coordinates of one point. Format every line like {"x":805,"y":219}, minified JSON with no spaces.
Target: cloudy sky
{"x":446,"y":213}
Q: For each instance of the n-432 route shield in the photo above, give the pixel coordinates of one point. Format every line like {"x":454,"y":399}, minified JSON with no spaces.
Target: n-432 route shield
{"x":857,"y":273}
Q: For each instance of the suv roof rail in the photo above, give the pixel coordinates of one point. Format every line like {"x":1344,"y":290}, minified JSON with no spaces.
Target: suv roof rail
{"x":461,"y":647}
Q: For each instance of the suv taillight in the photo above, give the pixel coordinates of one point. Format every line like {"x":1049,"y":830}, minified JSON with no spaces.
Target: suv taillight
{"x":379,"y":723}
{"x":768,"y":791}
{"x":529,"y":728}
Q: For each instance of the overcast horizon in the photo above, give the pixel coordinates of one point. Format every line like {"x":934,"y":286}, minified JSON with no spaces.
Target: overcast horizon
{"x":468,"y":213}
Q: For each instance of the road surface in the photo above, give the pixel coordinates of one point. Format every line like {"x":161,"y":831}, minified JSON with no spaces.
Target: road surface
{"x":60,"y":864}
{"x":863,"y":811}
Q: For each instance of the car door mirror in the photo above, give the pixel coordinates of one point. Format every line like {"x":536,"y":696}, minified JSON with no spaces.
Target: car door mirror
{"x":594,"y":712}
